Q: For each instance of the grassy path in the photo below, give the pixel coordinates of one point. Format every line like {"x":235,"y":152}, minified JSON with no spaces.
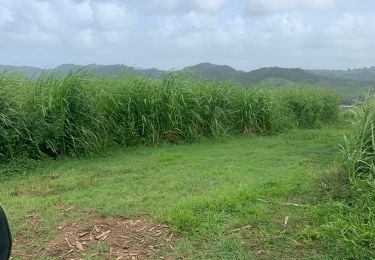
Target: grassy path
{"x":213,"y":194}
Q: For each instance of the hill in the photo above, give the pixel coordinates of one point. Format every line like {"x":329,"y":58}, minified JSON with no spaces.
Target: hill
{"x":92,"y":69}
{"x":363,"y":74}
{"x":25,"y":70}
{"x":347,"y":83}
{"x":204,"y":70}
{"x":212,"y":71}
{"x":293,"y":74}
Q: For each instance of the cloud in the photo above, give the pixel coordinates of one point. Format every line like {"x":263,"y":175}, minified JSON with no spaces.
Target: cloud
{"x":175,"y":33}
{"x":109,"y":16}
{"x":79,"y":24}
{"x":210,"y":5}
{"x":353,"y":32}
{"x":5,"y":15}
{"x":186,"y":6}
{"x":262,"y":7}
{"x":348,"y":22}
{"x":284,"y":24}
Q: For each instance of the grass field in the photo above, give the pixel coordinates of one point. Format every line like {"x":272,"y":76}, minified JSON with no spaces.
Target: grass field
{"x":223,"y":198}
{"x":127,"y":168}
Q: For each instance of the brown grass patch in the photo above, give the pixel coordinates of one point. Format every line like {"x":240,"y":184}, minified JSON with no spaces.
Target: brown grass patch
{"x":102,"y":238}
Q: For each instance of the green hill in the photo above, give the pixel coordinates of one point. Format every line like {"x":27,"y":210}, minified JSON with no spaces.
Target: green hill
{"x":293,"y":74}
{"x":211,"y":71}
{"x":347,"y":83}
{"x":363,"y":74}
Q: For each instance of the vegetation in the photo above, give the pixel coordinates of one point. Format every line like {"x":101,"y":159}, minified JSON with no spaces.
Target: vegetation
{"x":359,"y":148}
{"x":77,"y":114}
{"x":346,"y":219}
{"x":360,"y":74}
{"x":284,"y":192}
{"x":225,"y":198}
{"x":348,"y":84}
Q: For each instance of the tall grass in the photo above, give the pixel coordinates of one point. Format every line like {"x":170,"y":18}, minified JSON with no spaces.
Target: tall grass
{"x":345,"y":224}
{"x":77,"y":114}
{"x":359,"y":147}
{"x":309,"y":107}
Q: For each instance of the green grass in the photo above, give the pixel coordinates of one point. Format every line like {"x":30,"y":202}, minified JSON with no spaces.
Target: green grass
{"x":347,"y":219}
{"x":205,"y":191}
{"x":227,"y":194}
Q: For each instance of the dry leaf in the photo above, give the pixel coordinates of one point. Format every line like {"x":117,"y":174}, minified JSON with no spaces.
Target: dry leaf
{"x":103,"y":234}
{"x":79,"y":246}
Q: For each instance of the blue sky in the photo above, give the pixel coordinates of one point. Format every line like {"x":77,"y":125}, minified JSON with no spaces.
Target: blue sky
{"x":167,"y":34}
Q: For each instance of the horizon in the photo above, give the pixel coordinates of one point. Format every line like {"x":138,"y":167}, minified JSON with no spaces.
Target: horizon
{"x":181,"y":68}
{"x":243,"y":34}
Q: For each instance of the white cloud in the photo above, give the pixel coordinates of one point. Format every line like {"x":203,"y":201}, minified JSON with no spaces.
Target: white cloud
{"x":353,"y":33}
{"x":79,"y":24}
{"x":5,"y":15}
{"x":264,"y":7}
{"x":186,"y":6}
{"x":210,"y":5}
{"x":84,"y":38}
{"x":348,"y":22}
{"x":175,"y":33}
{"x":186,"y":24}
{"x":109,"y":16}
{"x":195,"y":30}
{"x":284,"y":24}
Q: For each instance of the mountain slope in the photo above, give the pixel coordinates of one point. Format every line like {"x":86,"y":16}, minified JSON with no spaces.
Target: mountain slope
{"x":294,"y":74}
{"x":347,"y":83}
{"x":364,"y":74}
{"x":204,"y":70}
{"x":25,"y":70}
{"x":93,"y":69}
{"x":212,"y":71}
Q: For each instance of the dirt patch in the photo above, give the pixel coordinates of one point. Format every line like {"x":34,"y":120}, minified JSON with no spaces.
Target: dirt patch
{"x":30,"y":224}
{"x":104,"y":238}
{"x":114,"y":237}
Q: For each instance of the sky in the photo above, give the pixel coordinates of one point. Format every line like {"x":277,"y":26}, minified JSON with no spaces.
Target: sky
{"x":171,"y":34}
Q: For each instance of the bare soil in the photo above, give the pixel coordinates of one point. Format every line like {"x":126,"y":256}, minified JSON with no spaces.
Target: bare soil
{"x":101,"y":238}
